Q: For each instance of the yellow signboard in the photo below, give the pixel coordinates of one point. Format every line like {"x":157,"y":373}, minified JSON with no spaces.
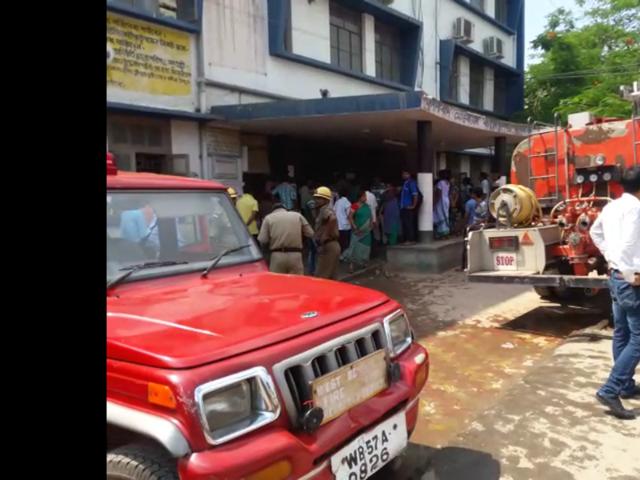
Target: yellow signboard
{"x":143,"y":57}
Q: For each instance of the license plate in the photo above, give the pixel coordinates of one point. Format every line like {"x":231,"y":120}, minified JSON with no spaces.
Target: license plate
{"x":505,"y":261}
{"x":350,"y":385}
{"x":370,"y":451}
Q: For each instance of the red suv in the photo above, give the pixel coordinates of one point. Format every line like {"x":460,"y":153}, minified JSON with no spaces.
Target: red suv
{"x":218,"y":369}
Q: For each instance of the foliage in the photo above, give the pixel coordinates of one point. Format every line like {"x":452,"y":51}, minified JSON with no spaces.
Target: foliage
{"x":584,"y":61}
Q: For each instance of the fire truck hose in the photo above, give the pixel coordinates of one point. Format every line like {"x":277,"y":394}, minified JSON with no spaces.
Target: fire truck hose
{"x":515,"y":206}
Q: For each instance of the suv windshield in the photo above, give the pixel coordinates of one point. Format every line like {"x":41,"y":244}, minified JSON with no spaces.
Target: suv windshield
{"x":179,"y":231}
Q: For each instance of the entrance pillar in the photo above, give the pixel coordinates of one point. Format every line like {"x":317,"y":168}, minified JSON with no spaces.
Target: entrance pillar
{"x":426,"y":167}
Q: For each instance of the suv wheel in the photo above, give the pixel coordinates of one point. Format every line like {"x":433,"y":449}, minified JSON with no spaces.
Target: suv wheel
{"x":140,"y":462}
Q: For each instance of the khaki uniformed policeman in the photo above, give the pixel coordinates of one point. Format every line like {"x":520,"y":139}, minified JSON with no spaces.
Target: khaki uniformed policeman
{"x":326,"y":235}
{"x":282,"y":232}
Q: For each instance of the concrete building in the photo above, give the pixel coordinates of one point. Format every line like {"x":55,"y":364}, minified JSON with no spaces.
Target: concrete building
{"x":469,"y":53}
{"x":153,"y":122}
{"x":312,"y":88}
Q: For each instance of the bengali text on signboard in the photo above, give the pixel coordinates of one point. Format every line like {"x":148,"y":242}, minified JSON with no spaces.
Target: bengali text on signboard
{"x":147,"y":58}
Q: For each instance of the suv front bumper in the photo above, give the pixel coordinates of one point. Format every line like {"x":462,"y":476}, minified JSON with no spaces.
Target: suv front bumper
{"x":309,"y":455}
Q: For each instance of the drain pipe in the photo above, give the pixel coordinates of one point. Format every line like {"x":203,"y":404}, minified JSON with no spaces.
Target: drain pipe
{"x":202,"y":97}
{"x":437,"y":47}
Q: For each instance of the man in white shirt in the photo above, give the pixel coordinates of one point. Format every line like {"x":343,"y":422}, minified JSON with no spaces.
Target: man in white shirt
{"x":616,"y":233}
{"x":485,"y":184}
{"x":342,"y":207}
{"x":499,"y":181}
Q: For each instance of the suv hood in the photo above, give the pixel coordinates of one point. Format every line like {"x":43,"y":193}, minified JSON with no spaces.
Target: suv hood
{"x":185,"y":321}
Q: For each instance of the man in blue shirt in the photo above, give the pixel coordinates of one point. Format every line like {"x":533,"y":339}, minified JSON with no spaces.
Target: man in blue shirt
{"x":475,"y":209}
{"x":470,"y":211}
{"x":141,"y":226}
{"x":408,"y":207}
{"x":287,"y":194}
{"x":476,"y":213}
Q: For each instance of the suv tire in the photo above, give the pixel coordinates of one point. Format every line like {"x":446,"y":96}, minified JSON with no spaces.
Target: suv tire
{"x":140,"y":462}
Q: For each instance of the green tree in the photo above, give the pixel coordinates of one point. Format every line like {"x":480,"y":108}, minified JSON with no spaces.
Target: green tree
{"x":583,"y":62}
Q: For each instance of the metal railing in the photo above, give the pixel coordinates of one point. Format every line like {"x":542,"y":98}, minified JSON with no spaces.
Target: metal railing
{"x":533,"y":178}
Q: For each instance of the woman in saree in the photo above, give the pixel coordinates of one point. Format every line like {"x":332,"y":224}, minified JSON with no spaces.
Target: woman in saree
{"x":442,"y":205}
{"x":359,"y":248}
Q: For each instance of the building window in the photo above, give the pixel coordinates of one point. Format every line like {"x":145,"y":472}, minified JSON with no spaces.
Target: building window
{"x":123,"y":160}
{"x":119,"y":133}
{"x":182,"y":10}
{"x":388,"y":48}
{"x":501,"y":11}
{"x":476,"y":85}
{"x":499,"y":93}
{"x":453,"y":81}
{"x":479,"y":4}
{"x":346,"y":38}
{"x":138,"y":136}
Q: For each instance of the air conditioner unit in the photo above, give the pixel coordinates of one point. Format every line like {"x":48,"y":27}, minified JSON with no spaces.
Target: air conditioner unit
{"x":493,"y":47}
{"x":464,"y":30}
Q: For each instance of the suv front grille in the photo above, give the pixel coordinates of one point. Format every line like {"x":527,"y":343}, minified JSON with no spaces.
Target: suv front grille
{"x":294,"y":375}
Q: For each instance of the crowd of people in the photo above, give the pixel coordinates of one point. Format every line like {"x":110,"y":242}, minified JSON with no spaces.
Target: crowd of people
{"x":321,"y":226}
{"x":459,"y":206}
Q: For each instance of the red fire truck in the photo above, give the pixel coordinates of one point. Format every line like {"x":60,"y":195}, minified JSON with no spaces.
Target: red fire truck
{"x":561,"y":177}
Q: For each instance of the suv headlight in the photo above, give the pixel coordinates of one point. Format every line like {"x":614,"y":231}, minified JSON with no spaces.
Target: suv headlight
{"x":237,"y":404}
{"x":398,"y":332}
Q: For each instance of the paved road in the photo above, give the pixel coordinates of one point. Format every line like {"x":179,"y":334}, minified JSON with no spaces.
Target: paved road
{"x":510,"y":394}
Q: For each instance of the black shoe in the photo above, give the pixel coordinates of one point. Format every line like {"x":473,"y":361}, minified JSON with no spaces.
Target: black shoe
{"x":616,"y":407}
{"x":635,"y":393}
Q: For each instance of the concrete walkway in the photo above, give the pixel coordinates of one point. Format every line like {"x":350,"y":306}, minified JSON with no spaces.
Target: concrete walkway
{"x":511,"y":388}
{"x":546,"y":426}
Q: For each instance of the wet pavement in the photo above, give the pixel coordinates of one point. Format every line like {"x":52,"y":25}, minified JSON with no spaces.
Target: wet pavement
{"x":510,"y":392}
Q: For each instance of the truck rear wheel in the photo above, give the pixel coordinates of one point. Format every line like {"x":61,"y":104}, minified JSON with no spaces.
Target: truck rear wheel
{"x":557,"y":294}
{"x":543,"y":292}
{"x":140,"y":462}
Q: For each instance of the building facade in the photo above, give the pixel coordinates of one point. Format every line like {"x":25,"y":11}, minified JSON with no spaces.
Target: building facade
{"x":469,"y":53}
{"x":153,"y":122}
{"x":238,"y":89}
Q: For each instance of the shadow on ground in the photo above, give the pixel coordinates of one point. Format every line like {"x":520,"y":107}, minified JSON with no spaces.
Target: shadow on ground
{"x":554,"y":321}
{"x":450,"y":463}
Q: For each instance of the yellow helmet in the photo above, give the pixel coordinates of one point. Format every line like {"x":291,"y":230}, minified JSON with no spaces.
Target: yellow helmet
{"x":232,"y":192}
{"x":323,"y":192}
